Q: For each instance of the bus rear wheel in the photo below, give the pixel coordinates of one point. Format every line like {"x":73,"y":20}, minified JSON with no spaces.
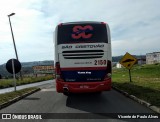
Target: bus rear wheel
{"x":66,"y":93}
{"x":98,"y":93}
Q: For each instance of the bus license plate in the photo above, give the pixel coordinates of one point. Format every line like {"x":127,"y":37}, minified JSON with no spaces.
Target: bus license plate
{"x":84,"y":86}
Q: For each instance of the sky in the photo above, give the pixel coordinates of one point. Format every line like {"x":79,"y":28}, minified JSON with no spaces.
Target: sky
{"x":134,"y":25}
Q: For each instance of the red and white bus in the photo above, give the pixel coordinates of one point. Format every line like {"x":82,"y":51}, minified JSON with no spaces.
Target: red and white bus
{"x":83,"y":57}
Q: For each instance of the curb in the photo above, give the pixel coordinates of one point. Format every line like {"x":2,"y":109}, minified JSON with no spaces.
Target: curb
{"x":18,"y":98}
{"x":148,"y":105}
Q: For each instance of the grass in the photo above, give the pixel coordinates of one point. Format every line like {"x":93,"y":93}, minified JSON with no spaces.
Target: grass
{"x":11,"y":95}
{"x":5,"y":83}
{"x":145,"y":82}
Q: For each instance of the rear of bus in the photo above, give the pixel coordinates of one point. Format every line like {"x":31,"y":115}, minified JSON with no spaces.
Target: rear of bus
{"x":83,"y":57}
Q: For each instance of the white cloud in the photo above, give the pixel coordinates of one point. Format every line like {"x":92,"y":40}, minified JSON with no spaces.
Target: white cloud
{"x":134,"y":25}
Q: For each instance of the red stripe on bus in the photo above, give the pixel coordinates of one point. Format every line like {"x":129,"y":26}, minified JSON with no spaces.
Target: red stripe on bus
{"x":84,"y":68}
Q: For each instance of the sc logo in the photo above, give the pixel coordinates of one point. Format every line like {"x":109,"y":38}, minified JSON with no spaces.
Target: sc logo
{"x":82,"y":32}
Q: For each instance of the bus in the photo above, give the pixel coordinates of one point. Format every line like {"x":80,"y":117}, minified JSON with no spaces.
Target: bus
{"x":83,"y":57}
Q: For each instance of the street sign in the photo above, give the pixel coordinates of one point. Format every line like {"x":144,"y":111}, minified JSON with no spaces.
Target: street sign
{"x":13,"y":66}
{"x":9,"y":66}
{"x":128,"y":60}
{"x":43,"y":69}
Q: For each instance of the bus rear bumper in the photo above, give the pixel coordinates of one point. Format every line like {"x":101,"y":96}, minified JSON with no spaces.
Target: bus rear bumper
{"x":82,"y":87}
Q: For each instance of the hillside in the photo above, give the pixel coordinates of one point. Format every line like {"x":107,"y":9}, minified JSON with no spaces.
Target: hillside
{"x":26,"y":67}
{"x":118,"y":58}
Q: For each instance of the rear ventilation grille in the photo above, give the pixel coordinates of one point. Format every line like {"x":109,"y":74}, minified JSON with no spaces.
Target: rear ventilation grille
{"x":83,"y":54}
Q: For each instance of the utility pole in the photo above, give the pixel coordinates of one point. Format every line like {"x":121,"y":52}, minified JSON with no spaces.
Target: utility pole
{"x":14,"y":40}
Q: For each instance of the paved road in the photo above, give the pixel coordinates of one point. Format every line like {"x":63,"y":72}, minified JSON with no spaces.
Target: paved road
{"x":49,"y":101}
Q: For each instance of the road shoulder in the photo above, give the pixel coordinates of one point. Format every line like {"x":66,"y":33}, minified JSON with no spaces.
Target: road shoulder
{"x":19,"y":97}
{"x":148,"y":105}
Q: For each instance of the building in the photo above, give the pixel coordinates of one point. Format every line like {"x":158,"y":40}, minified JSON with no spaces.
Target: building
{"x":141,"y":60}
{"x":114,"y":64}
{"x":152,"y":58}
{"x":118,"y":65}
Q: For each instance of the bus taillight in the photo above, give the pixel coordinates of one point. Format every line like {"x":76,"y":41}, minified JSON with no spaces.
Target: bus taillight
{"x":60,"y":24}
{"x":109,"y":66}
{"x":109,"y":70}
{"x":58,"y":71}
{"x":103,"y":23}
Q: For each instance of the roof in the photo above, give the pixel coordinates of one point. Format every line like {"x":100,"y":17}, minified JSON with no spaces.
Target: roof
{"x":153,"y":53}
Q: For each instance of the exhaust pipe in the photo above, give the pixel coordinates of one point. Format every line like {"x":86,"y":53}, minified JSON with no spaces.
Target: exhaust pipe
{"x":65,"y":90}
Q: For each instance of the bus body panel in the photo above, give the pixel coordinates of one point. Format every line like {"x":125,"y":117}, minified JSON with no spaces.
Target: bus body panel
{"x":83,"y":46}
{"x":82,"y":66}
{"x":81,"y":87}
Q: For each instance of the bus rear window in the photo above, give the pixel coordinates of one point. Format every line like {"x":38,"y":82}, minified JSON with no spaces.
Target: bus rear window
{"x":82,"y":33}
